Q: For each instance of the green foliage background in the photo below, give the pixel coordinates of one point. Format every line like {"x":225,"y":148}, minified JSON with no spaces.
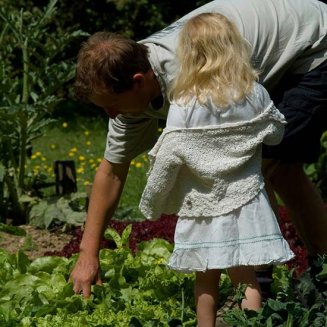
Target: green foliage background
{"x":136,"y":19}
{"x":39,"y":43}
{"x":33,"y":71}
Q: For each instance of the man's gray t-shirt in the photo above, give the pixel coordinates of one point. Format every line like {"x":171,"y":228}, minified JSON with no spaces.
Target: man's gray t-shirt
{"x":285,"y":35}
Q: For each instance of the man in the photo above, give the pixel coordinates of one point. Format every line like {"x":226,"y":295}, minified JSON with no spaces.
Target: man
{"x":129,"y":81}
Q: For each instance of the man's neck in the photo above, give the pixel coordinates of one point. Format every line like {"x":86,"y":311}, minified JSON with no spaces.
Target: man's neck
{"x":157,"y":102}
{"x":156,"y":89}
{"x":156,"y":95}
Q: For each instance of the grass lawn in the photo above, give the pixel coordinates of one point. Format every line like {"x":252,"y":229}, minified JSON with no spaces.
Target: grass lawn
{"x":83,"y":140}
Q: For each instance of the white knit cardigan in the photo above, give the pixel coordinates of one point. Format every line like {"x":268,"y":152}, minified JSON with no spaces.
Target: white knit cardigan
{"x":209,"y":171}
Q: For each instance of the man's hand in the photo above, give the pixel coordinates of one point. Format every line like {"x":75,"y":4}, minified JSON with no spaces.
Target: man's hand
{"x":85,"y":273}
{"x":107,"y":187}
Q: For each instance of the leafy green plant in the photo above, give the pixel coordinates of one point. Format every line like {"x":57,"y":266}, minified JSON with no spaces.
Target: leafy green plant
{"x":138,"y":290}
{"x":31,"y":72}
{"x":137,"y":19}
{"x":298,"y":302}
{"x":68,"y":210}
{"x":317,"y":171}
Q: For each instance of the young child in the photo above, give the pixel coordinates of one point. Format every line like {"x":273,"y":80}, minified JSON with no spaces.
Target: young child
{"x":206,"y":165}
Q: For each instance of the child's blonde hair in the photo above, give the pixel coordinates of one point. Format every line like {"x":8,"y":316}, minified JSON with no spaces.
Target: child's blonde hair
{"x":214,"y":62}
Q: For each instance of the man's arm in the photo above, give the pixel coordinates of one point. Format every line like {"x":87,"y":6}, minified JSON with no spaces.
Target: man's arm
{"x":106,"y":191}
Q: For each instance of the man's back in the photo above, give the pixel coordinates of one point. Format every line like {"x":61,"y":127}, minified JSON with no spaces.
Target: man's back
{"x":284,"y":34}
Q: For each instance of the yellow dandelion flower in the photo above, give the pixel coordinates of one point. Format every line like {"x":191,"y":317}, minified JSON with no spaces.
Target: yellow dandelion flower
{"x":71,"y":154}
{"x":88,"y":143}
{"x":81,"y":158}
{"x":43,"y":158}
{"x":36,"y":171}
{"x":138,"y":165}
{"x":74,"y":149}
{"x":91,"y":160}
{"x":80,"y":170}
{"x":132,"y":163}
{"x":37,"y":154}
{"x":99,"y":159}
{"x":33,"y":156}
{"x":160,"y":261}
{"x":53,"y":146}
{"x":87,"y":133}
{"x":93,"y":165}
{"x":64,"y":125}
{"x":86,"y":183}
{"x":159,"y":129}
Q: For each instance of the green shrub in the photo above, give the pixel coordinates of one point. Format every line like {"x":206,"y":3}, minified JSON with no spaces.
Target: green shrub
{"x":31,"y":72}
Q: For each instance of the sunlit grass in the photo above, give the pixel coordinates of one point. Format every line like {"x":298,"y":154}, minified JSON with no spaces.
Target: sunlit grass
{"x":83,"y":141}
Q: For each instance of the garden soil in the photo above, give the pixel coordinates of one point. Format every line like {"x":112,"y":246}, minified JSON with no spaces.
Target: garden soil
{"x":36,"y":243}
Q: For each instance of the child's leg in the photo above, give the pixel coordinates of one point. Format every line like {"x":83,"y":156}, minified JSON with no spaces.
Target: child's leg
{"x":246,"y":275}
{"x":206,"y":297}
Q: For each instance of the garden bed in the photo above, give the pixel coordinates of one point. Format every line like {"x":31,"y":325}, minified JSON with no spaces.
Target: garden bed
{"x":36,"y":242}
{"x":40,"y":242}
{"x":138,"y":288}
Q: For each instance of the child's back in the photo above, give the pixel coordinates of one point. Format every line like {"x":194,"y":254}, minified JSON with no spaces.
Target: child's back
{"x":197,"y":115}
{"x":207,"y":162}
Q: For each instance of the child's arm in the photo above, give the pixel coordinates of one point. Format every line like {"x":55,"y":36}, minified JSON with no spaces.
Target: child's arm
{"x":276,"y":127}
{"x":274,"y":130}
{"x":161,"y":181}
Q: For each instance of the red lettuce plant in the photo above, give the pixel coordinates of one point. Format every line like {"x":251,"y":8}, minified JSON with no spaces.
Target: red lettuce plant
{"x":165,"y":228}
{"x":141,"y":231}
{"x":300,"y":262}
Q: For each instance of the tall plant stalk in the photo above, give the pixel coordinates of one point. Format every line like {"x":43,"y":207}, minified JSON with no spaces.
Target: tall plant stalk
{"x":28,"y":85}
{"x":23,"y":118}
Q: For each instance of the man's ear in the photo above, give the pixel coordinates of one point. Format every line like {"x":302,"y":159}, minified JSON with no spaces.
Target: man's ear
{"x":139,"y":79}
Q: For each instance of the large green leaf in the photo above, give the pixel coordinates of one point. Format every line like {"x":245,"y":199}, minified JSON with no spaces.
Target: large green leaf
{"x":55,"y":211}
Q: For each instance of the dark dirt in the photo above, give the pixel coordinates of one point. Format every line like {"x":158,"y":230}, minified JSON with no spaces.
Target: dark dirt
{"x":36,"y":242}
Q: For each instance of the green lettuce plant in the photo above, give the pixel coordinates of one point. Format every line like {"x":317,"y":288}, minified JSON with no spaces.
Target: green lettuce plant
{"x":317,"y":171}
{"x":137,"y":290}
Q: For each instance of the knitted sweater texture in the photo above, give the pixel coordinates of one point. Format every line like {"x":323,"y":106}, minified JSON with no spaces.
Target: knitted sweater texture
{"x":209,"y":171}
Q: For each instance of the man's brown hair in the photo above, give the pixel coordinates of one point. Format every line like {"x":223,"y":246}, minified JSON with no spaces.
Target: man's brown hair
{"x":107,"y":62}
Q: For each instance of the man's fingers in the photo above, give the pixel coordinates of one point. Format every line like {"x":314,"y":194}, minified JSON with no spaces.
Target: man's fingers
{"x":98,"y":280}
{"x":84,"y":274}
{"x":86,"y":292}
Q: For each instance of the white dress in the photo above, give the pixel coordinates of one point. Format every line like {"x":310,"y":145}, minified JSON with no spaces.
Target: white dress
{"x":249,"y":235}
